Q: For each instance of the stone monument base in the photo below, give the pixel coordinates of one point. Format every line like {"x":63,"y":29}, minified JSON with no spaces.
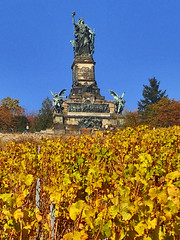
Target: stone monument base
{"x":78,"y":124}
{"x":59,"y":127}
{"x":85,"y":110}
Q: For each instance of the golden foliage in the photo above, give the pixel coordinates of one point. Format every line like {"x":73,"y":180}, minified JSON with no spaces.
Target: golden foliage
{"x":118,"y":186}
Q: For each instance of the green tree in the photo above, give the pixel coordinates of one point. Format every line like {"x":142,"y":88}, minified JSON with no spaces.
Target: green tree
{"x":21,"y":122}
{"x":151,"y":95}
{"x":44,"y":119}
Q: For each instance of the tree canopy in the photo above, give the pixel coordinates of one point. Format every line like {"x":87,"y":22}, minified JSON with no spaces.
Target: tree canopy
{"x":6,"y":119}
{"x":13,"y":105}
{"x":12,"y":115}
{"x":164,"y":113}
{"x":131,"y":118}
{"x":155,"y":109}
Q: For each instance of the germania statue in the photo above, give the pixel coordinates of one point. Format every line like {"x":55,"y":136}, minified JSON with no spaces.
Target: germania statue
{"x":83,"y":45}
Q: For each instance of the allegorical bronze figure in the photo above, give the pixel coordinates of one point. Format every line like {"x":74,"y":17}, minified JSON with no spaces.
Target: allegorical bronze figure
{"x":83,"y":45}
{"x":58,"y":101}
{"x":118,"y":101}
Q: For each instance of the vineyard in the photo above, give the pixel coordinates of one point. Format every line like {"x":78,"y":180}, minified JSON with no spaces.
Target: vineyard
{"x":122,"y":185}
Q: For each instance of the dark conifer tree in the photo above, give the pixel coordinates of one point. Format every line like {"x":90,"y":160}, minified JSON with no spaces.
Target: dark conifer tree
{"x":151,"y":95}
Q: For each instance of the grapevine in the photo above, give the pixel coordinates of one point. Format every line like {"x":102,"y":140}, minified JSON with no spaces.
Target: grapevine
{"x":122,"y":185}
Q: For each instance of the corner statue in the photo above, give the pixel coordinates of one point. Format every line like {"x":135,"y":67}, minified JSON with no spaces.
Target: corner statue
{"x":58,"y":100}
{"x":83,"y":45}
{"x":118,"y":102}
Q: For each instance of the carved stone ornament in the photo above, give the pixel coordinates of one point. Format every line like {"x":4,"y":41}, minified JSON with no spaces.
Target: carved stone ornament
{"x":87,"y":106}
{"x":90,"y":122}
{"x":78,"y":88}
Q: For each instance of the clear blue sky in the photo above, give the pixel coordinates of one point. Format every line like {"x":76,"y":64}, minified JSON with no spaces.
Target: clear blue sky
{"x":135,"y":40}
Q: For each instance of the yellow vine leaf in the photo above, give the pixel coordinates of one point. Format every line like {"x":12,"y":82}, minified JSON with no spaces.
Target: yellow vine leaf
{"x":162,"y":196}
{"x":126,"y":216}
{"x":113,"y":211}
{"x":66,"y":180}
{"x":28,"y":179}
{"x":38,"y":217}
{"x":173,"y":175}
{"x":174,"y":194}
{"x":153,"y":193}
{"x":150,"y":204}
{"x":68,"y":236}
{"x":6,"y":212}
{"x":123,"y":234}
{"x":29,"y":226}
{"x":23,"y":164}
{"x":76,"y":209}
{"x":106,"y":229}
{"x":55,"y":197}
{"x":19,"y":200}
{"x":168,"y":213}
{"x":82,"y":235}
{"x":173,"y":191}
{"x":38,"y":214}
{"x":6,"y":197}
{"x":140,"y":228}
{"x":18,"y":214}
{"x":46,"y":227}
{"x":152,"y":223}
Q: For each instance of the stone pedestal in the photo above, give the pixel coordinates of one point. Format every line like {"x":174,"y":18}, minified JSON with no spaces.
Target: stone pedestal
{"x":85,"y":108}
{"x":84,"y":85}
{"x":59,"y":127}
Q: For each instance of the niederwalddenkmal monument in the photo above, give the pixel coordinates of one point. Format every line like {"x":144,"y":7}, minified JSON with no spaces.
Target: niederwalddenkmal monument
{"x":85,"y":109}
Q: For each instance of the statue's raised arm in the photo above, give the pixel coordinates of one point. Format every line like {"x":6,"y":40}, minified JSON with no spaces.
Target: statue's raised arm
{"x":73,"y":18}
